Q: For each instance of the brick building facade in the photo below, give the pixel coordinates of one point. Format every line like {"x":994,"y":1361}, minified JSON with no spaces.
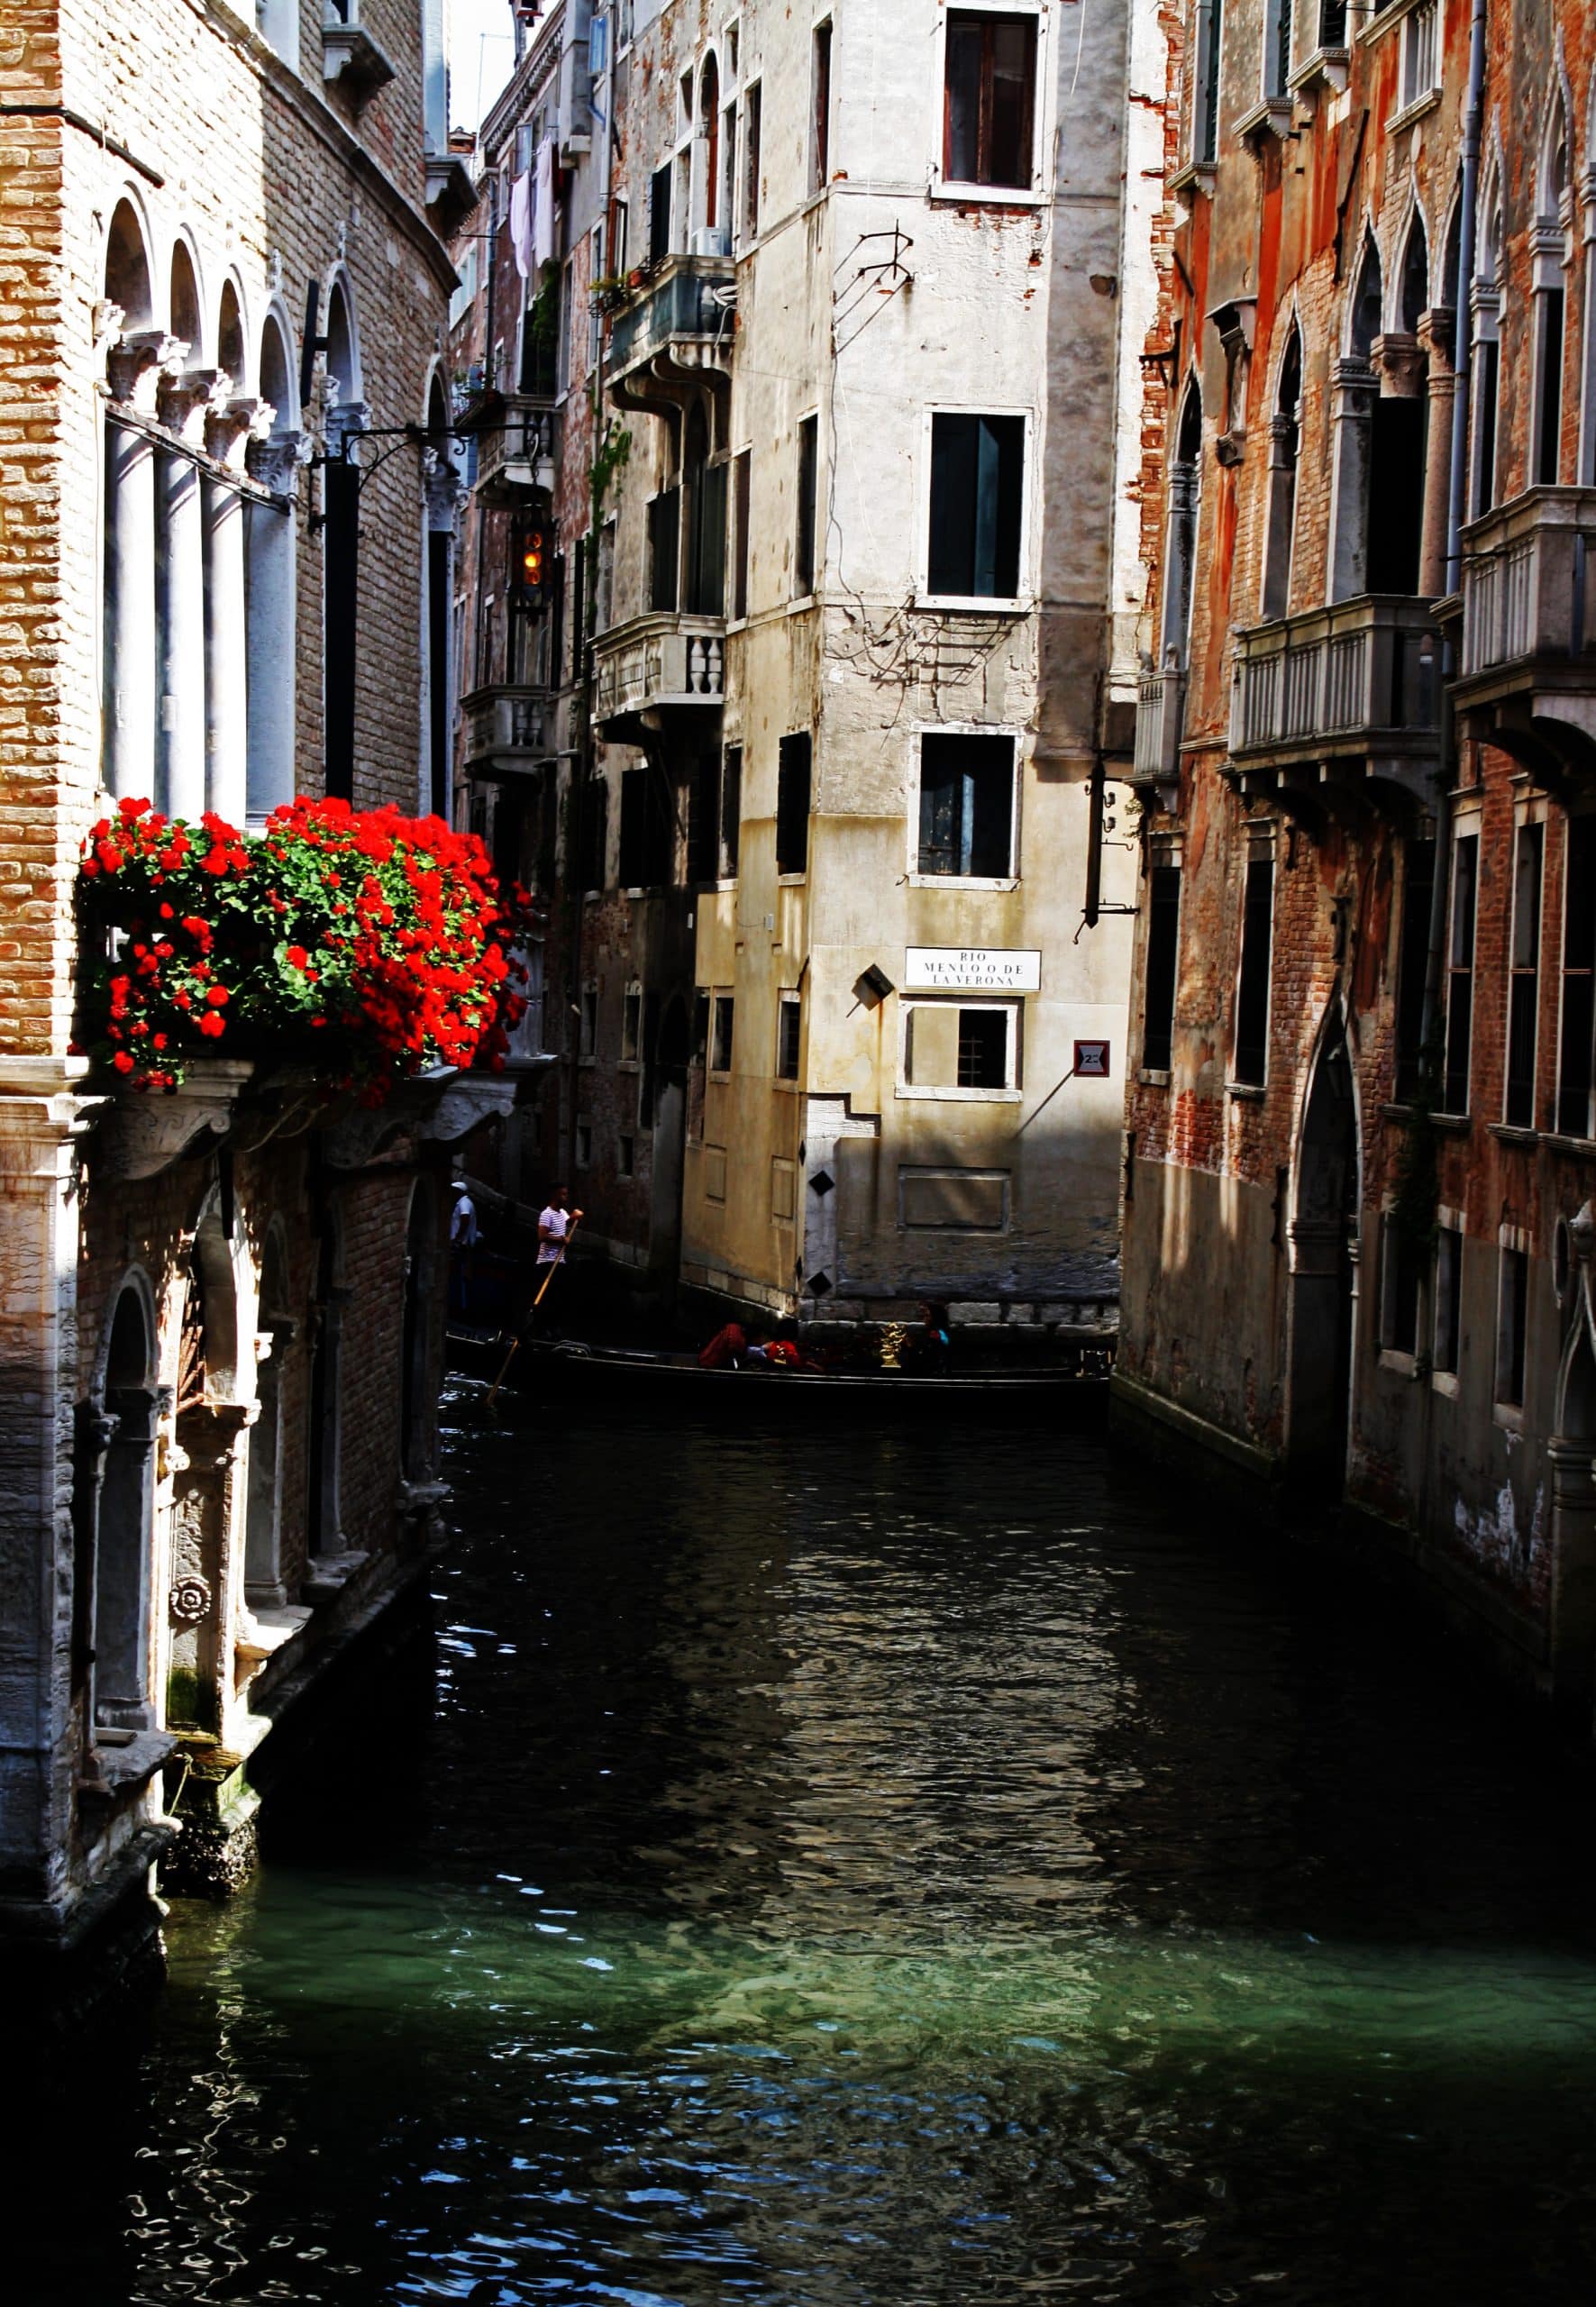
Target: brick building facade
{"x":837,"y":693}
{"x":223,"y":290}
{"x":1359,"y":1149}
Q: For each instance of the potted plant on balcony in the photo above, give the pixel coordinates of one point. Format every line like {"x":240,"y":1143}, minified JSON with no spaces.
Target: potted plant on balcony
{"x":370,"y":944}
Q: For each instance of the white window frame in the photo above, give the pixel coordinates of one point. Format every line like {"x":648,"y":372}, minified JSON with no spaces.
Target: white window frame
{"x":943,"y":187}
{"x":1000,"y":882}
{"x":992,"y":604}
{"x":1010,"y":1095}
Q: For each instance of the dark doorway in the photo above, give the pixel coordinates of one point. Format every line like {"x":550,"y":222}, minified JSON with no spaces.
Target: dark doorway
{"x":1396,"y":495}
{"x":1319,"y":1338}
{"x":669,"y":1112}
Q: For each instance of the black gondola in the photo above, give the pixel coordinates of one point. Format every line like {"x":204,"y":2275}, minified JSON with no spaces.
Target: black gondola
{"x":567,"y":1366}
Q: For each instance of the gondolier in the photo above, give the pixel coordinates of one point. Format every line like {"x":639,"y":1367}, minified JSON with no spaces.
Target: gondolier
{"x":554,"y":1224}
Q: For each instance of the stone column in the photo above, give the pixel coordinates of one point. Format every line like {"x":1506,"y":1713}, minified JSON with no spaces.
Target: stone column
{"x":135,"y":365}
{"x":130,"y":613}
{"x":184,"y":402}
{"x":225,"y":661}
{"x":227,"y":428}
{"x":442,"y":490}
{"x":271,"y":586}
{"x":1436,"y":339}
{"x":1352,"y":390}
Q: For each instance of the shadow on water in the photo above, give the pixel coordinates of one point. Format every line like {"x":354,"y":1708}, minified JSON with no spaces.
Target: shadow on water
{"x":873,"y":1868}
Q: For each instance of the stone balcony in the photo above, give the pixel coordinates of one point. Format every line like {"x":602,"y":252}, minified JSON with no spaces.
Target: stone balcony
{"x":509,"y":728}
{"x":662,"y":663}
{"x":676,"y":334}
{"x":1161,"y":710}
{"x":515,"y":436}
{"x":1349,"y":693}
{"x":1528,"y":658}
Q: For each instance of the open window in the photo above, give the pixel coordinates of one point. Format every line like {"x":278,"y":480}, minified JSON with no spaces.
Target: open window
{"x":789,"y":1029}
{"x":990,"y":99}
{"x":808,"y":475}
{"x":966,"y":823}
{"x":969,"y":1047}
{"x":820,"y":144}
{"x":1251,"y":1060}
{"x":1523,"y":978}
{"x":1162,"y":963}
{"x":977,"y":506}
{"x":794,"y":778}
{"x":1285,"y":440}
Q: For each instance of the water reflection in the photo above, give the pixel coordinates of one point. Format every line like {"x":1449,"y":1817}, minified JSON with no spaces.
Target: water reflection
{"x":832,"y":1875}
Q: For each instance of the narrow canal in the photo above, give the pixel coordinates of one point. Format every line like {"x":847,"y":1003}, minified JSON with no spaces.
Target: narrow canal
{"x":861,"y":1869}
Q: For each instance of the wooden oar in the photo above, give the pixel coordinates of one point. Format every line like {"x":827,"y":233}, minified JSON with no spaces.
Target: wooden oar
{"x":555,"y":1263}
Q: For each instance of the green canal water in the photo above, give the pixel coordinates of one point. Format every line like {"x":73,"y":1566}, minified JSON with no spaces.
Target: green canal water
{"x":860,"y":1869}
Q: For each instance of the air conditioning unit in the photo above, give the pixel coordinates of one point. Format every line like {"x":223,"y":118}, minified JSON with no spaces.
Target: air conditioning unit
{"x":711,"y":240}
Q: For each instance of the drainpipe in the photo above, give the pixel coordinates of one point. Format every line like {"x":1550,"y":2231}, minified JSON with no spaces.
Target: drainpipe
{"x":1463,"y":366}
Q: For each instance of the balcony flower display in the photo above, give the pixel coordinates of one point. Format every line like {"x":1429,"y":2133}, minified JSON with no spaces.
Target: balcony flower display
{"x":371,"y":943}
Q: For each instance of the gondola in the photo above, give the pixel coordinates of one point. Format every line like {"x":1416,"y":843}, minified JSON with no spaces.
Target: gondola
{"x":570,"y":1368}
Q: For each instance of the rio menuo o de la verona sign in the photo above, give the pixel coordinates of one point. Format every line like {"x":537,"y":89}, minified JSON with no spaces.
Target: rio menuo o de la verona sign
{"x":971,"y":968}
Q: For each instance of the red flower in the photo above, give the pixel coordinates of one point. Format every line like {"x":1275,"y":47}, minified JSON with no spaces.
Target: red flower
{"x":212,"y":1025}
{"x":218,"y":996}
{"x":123,"y":1062}
{"x":297,"y":956}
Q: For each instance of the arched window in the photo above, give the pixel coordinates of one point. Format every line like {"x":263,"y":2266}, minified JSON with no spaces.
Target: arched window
{"x":709,"y":130}
{"x":271,"y":556}
{"x":188,"y":314}
{"x":341,"y":547}
{"x":1184,"y":504}
{"x":1549,"y":244}
{"x":1487,"y":302}
{"x":127,"y":624}
{"x":1416,"y":276}
{"x":1367,"y":304}
{"x":127,"y":268}
{"x":231,"y":355}
{"x":1284,"y":449}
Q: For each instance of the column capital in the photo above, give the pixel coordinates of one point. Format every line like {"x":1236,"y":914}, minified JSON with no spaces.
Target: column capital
{"x":136,"y":366}
{"x":342,"y":419}
{"x":274,"y":459}
{"x":1398,"y":362}
{"x":442,"y":485}
{"x":232,"y":425}
{"x":186,"y":402}
{"x":1438,"y":336}
{"x":1353,"y":380}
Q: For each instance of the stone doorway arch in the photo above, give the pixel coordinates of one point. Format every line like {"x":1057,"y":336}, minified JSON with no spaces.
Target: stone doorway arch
{"x":1322,"y":1286}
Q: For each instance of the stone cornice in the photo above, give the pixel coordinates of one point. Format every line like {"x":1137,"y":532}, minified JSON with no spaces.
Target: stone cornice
{"x":325,"y":123}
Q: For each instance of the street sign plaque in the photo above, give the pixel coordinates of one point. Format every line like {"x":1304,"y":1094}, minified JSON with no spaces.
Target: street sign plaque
{"x":1091,"y":1061}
